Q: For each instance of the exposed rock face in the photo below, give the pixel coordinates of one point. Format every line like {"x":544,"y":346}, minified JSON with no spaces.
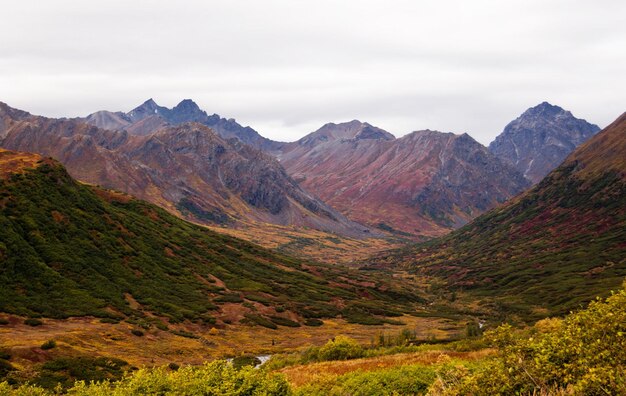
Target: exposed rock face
{"x":540,"y":139}
{"x":186,"y":168}
{"x":424,"y":183}
{"x":149,"y":117}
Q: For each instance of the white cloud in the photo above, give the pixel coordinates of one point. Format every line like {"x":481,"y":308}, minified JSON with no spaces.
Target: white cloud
{"x":285,"y":67}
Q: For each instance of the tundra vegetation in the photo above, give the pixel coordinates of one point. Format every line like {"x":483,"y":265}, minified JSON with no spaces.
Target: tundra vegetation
{"x":582,"y":354}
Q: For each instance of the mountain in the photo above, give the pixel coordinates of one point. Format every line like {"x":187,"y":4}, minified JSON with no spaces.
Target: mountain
{"x":539,"y":140}
{"x":187,"y":169}
{"x":149,"y":117}
{"x":555,"y":247}
{"x":425,"y":183}
{"x":68,"y":249}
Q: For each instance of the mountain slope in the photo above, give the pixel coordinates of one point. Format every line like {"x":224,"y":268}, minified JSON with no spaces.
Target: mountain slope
{"x":68,"y":249}
{"x":540,"y":139}
{"x":149,"y":117}
{"x":187,"y":169}
{"x":556,"y":246}
{"x":424,"y":183}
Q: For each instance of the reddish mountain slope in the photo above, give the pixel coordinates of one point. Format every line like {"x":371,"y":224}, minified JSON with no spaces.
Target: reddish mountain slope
{"x":187,"y":169}
{"x":424,"y":183}
{"x":556,"y":246}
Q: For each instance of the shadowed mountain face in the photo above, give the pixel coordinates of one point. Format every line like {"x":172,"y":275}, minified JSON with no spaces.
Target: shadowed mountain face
{"x":187,"y":169}
{"x":424,"y":183}
{"x":150,"y":117}
{"x":540,"y":139}
{"x":556,"y":246}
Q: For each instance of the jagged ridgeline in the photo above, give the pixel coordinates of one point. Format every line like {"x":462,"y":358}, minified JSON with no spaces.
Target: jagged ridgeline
{"x":68,"y":249}
{"x":557,"y":246}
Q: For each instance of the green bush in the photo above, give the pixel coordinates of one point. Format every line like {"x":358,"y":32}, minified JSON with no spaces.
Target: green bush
{"x":279,"y":320}
{"x":260,"y":320}
{"x":5,"y":368}
{"x":313,"y":322}
{"x":216,"y":378}
{"x":33,"y":322}
{"x":403,"y":380}
{"x":48,"y":345}
{"x":341,"y":348}
{"x":136,"y":332}
{"x":245,"y":360}
{"x":4,"y":321}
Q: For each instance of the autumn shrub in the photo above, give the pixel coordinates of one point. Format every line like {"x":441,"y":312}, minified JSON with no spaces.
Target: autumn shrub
{"x":404,"y":380}
{"x":341,"y":348}
{"x":585,"y":353}
{"x":33,"y":322}
{"x":216,"y":378}
{"x":136,"y":332}
{"x":50,"y":344}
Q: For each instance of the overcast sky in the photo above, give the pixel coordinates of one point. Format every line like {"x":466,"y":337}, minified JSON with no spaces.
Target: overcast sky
{"x":285,"y":67}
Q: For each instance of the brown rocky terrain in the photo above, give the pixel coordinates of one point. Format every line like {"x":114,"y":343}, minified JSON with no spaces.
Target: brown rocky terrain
{"x":425,"y":183}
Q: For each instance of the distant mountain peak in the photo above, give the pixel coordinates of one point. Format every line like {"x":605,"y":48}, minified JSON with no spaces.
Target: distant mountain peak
{"x":545,"y":109}
{"x":147,"y":108}
{"x":187,"y":104}
{"x":540,"y":138}
{"x":354,"y":129}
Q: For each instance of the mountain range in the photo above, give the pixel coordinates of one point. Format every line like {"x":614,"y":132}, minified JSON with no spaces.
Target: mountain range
{"x":187,"y":169}
{"x":212,"y":170}
{"x":549,"y":250}
{"x":149,"y":117}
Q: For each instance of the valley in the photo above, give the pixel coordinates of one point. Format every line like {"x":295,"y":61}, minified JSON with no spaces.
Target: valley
{"x":397,"y":283}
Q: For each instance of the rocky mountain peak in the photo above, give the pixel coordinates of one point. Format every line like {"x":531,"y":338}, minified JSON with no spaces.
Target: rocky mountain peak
{"x":540,"y":139}
{"x":354,"y":129}
{"x":146,"y":109}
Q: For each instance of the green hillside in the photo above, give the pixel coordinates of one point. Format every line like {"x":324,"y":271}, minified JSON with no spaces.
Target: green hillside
{"x":557,"y":246}
{"x":68,"y":249}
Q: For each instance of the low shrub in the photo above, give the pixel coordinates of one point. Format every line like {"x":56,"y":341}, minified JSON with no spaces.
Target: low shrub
{"x":313,"y":322}
{"x":279,"y":320}
{"x":215,"y":378}
{"x":50,"y":344}
{"x":341,"y":348}
{"x":260,"y":320}
{"x":245,"y":360}
{"x":136,"y":332}
{"x":109,"y":320}
{"x":33,"y":322}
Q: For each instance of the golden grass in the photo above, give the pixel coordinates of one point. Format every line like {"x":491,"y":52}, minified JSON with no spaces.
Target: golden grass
{"x":305,"y":374}
{"x":312,"y":244}
{"x":89,"y":336}
{"x":16,"y":162}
